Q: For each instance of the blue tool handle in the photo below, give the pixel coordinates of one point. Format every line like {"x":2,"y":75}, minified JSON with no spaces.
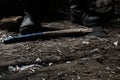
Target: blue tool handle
{"x":21,"y":38}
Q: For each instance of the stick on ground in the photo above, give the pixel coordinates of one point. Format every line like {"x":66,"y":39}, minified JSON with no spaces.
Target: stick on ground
{"x":49,"y":34}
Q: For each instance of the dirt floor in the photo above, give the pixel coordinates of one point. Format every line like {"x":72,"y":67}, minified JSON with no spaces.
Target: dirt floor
{"x":62,"y":58}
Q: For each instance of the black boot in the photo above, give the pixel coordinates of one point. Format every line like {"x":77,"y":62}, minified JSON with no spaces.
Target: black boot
{"x":96,"y":23}
{"x":29,"y":25}
{"x":97,"y":32}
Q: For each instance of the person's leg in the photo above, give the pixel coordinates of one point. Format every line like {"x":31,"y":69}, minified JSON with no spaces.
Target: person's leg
{"x":77,"y":9}
{"x":30,"y":23}
{"x":96,"y":22}
{"x":91,"y":13}
{"x":100,"y":11}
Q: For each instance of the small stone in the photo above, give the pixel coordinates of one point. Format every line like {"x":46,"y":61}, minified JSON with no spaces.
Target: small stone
{"x":11,"y":68}
{"x":85,"y":42}
{"x":59,"y":51}
{"x":108,"y":68}
{"x":78,"y":77}
{"x":94,"y":50}
{"x":68,"y":62}
{"x":38,"y":60}
{"x":50,"y":64}
{"x":116,"y":43}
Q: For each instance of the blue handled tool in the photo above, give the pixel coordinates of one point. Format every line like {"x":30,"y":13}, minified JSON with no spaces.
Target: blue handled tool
{"x":58,"y":33}
{"x":22,"y":38}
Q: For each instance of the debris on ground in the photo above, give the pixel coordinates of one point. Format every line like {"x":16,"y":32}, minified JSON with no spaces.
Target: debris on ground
{"x":62,"y":58}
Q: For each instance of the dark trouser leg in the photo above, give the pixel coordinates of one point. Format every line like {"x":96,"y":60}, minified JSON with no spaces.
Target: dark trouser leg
{"x":97,"y":23}
{"x":100,"y":11}
{"x":92,"y":13}
{"x":31,"y":23}
{"x":77,"y":8}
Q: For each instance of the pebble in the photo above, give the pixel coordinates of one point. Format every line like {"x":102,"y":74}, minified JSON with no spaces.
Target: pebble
{"x":78,"y":77}
{"x":116,"y":43}
{"x":85,"y":42}
{"x":68,"y":62}
{"x":50,"y":64}
{"x":38,"y":60}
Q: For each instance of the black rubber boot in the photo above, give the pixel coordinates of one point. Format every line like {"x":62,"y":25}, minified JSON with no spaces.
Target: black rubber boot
{"x":97,"y":32}
{"x":29,"y":26}
{"x":96,"y":23}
